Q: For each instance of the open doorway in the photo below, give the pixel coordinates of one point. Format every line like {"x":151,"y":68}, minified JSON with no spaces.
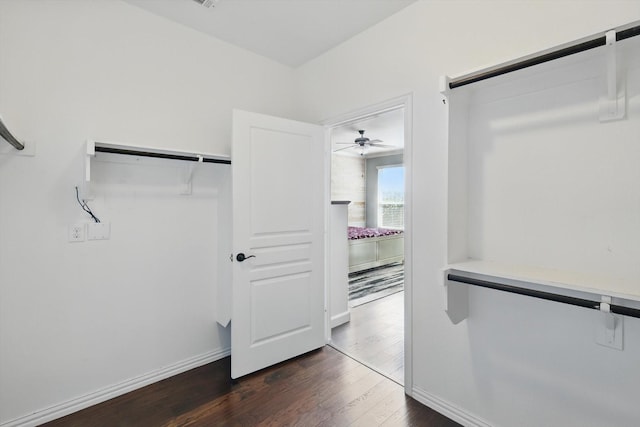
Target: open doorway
{"x":368,"y":171}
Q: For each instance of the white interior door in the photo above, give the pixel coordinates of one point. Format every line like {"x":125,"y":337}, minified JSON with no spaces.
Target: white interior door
{"x":278,"y":224}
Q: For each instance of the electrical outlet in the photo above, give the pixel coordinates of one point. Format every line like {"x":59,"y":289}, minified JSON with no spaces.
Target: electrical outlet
{"x":76,"y":233}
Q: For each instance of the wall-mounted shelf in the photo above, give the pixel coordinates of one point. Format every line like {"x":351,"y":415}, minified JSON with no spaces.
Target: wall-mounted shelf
{"x":555,"y":279}
{"x":592,"y":42}
{"x":535,"y":178}
{"x":192,"y":158}
{"x":586,"y":290}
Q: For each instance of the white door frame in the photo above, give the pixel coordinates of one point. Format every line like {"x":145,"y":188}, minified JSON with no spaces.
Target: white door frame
{"x":406,"y":102}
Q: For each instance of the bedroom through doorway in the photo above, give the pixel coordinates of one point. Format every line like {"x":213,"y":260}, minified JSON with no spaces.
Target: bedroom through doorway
{"x":368,"y":175}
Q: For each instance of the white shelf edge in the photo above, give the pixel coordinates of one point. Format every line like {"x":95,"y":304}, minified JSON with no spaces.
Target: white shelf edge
{"x":549,"y":278}
{"x":91,"y":152}
{"x":137,"y":150}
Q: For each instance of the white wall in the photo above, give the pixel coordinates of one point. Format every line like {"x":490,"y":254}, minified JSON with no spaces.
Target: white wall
{"x":516,"y":360}
{"x":80,"y":319}
{"x":543,"y":168}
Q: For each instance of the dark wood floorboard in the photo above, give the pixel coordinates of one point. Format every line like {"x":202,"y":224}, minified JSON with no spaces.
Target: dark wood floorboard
{"x":321,"y":388}
{"x":375,"y":335}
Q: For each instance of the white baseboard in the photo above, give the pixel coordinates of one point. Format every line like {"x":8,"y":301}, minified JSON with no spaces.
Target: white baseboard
{"x":102,"y":395}
{"x":447,"y":409}
{"x":341,"y":318}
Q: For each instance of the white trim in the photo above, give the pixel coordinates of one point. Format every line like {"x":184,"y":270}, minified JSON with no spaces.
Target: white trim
{"x":408,"y":244}
{"x":340,"y":318}
{"x":405,"y":102}
{"x":327,"y":235}
{"x":448,"y":409}
{"x":70,"y":406}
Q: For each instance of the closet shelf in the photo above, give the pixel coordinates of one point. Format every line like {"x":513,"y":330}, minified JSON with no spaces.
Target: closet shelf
{"x":548,"y":279}
{"x":193,"y":160}
{"x":94,"y":147}
{"x":592,"y":42}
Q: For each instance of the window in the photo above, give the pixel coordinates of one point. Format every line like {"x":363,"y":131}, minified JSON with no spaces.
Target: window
{"x":391,"y":196}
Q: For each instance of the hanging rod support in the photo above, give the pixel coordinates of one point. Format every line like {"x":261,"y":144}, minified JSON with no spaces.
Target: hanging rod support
{"x":189,"y":169}
{"x":612,"y":105}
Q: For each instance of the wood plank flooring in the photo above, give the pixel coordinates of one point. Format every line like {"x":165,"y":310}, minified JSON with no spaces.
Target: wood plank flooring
{"x":375,"y":335}
{"x":321,"y":388}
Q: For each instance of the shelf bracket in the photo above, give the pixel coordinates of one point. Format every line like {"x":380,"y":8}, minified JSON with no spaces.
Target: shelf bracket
{"x":85,"y":187}
{"x":444,"y":87}
{"x":456,"y":303}
{"x":189,"y":170}
{"x":610,"y":326}
{"x":613,"y":105}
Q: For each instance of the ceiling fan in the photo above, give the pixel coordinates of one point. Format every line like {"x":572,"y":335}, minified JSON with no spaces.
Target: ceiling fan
{"x":362,"y":143}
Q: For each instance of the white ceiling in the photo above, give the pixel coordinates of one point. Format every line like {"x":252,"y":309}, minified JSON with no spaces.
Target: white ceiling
{"x":291,"y":32}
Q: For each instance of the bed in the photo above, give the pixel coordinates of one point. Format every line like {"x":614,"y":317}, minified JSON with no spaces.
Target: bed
{"x":374,"y":247}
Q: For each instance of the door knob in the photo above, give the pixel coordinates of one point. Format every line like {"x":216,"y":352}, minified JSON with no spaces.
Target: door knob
{"x":241,"y":257}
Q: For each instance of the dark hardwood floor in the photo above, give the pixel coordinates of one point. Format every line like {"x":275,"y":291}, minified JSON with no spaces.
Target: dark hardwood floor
{"x":375,"y":335}
{"x":321,"y":388}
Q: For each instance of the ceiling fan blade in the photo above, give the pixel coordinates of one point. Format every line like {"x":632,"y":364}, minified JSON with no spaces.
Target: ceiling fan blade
{"x":382,"y":145}
{"x":344,"y":148}
{"x":345,"y":143}
{"x":374,"y":141}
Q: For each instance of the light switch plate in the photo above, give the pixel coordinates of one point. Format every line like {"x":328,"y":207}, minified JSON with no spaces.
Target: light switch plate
{"x":98,"y":231}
